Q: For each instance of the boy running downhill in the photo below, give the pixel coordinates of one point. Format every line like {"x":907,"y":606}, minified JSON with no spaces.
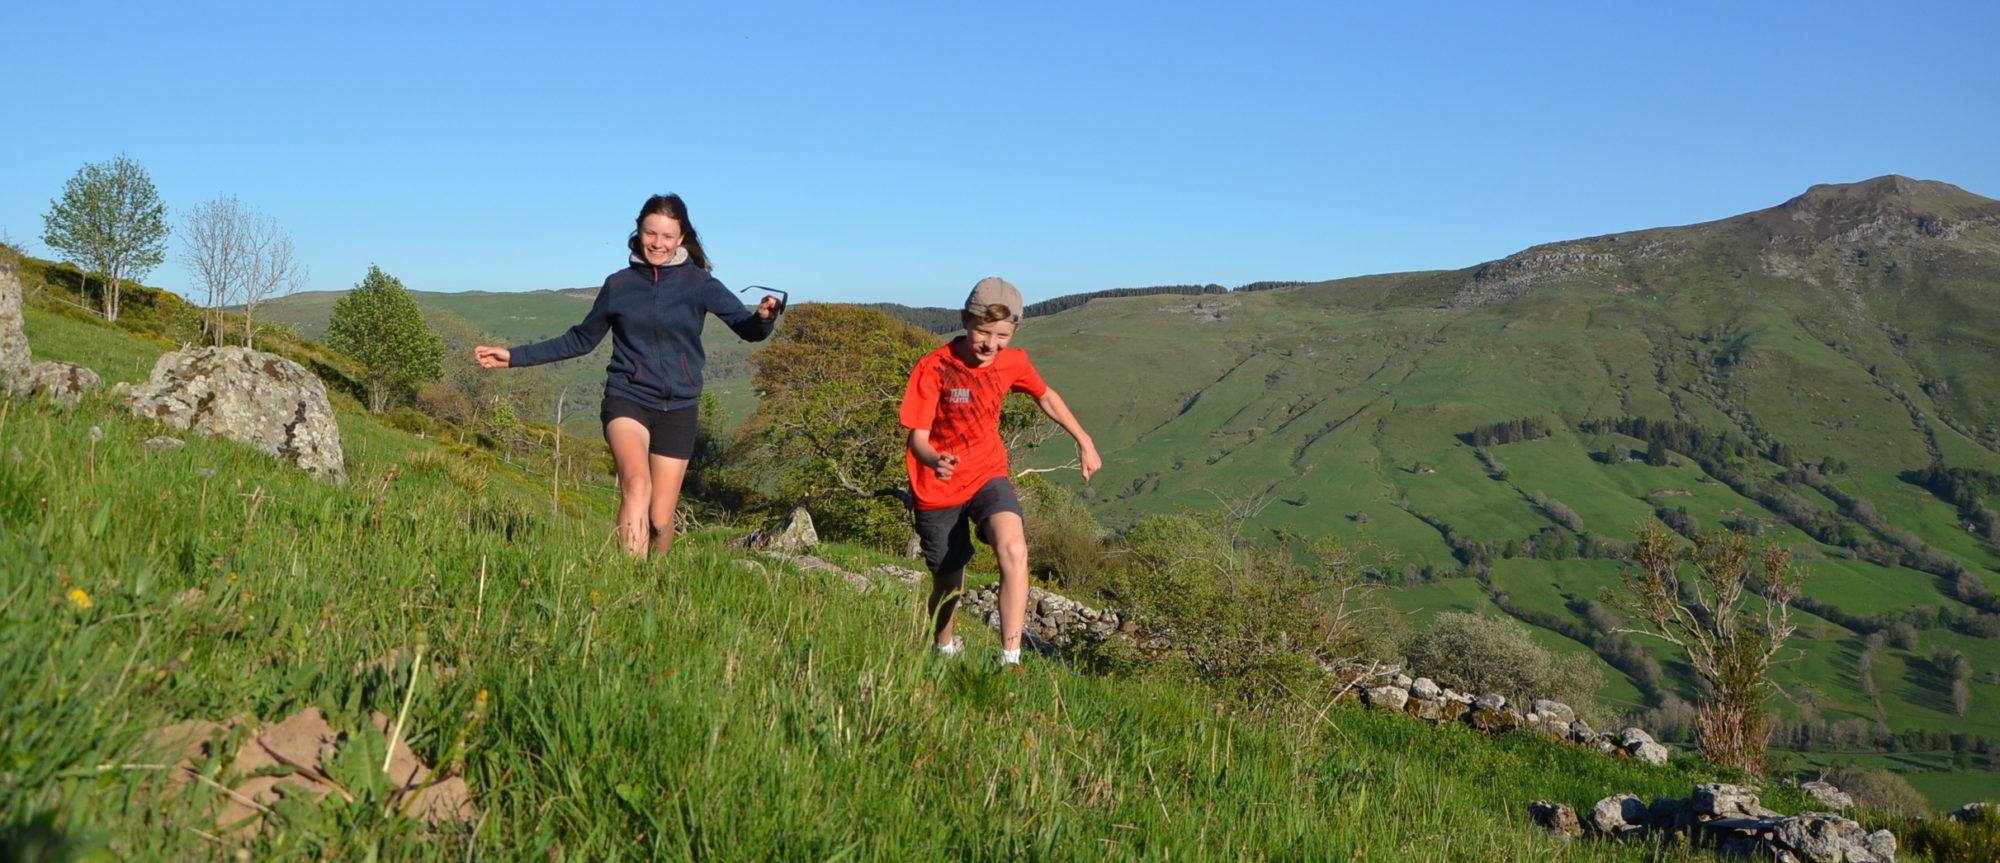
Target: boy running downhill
{"x":958,"y":464}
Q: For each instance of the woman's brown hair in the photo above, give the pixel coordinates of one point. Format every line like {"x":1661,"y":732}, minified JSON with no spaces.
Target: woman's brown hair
{"x":674,"y":208}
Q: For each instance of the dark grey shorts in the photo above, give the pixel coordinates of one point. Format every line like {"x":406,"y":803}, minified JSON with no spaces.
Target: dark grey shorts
{"x":945,"y":534}
{"x":671,"y":432}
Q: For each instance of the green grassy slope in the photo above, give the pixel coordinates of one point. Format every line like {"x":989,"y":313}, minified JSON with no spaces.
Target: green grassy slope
{"x":710,"y":705}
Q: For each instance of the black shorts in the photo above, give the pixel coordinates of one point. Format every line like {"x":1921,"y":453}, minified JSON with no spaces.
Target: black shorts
{"x":672,"y":431}
{"x":944,"y":534}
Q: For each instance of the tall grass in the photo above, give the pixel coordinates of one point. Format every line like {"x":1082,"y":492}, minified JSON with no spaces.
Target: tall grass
{"x":706,"y":706}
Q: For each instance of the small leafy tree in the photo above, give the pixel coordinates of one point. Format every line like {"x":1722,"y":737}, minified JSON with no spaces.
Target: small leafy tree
{"x":1727,"y":631}
{"x":380,"y":325}
{"x":829,"y":387}
{"x":109,"y":220}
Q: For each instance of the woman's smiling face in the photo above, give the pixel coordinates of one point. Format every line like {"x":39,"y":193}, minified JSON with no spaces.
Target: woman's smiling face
{"x":659,"y":238}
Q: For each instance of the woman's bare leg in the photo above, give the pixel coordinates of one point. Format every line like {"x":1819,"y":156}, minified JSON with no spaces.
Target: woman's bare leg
{"x":629,"y":441}
{"x":667,"y":476}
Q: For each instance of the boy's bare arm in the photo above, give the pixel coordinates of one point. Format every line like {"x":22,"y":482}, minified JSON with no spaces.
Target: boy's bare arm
{"x":940,"y":463}
{"x":1053,"y":405}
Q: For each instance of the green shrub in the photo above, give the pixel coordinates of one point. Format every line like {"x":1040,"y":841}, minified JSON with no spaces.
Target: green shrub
{"x":1258,"y":620}
{"x":1881,"y":790}
{"x":1946,"y":840}
{"x":1065,"y":543}
{"x":1478,"y":654}
{"x":410,"y":420}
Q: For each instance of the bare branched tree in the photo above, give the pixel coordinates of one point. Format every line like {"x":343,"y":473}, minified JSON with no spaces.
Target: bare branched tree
{"x":1728,"y":632}
{"x":275,"y":270}
{"x":237,"y":253}
{"x":215,"y":250}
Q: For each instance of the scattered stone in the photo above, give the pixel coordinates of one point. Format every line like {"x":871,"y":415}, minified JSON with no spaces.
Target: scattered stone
{"x":1557,"y":818}
{"x":14,"y":355}
{"x":59,"y":382}
{"x":1723,"y":800}
{"x":163,"y":443}
{"x":1549,"y":727}
{"x":1620,"y":816}
{"x":903,"y":574}
{"x":1809,"y":837}
{"x":1426,"y":689}
{"x":257,"y":399}
{"x":1388,"y":697}
{"x":1490,"y":701}
{"x":1554,"y":711}
{"x":1823,"y":838}
{"x":1438,"y":710}
{"x":795,"y":534}
{"x":859,"y":582}
{"x":1882,"y":844}
{"x":1749,"y":830}
{"x":1651,"y":753}
{"x":1631,"y":737}
{"x":1493,"y":720}
{"x":1971,"y":812}
{"x":1828,"y":795}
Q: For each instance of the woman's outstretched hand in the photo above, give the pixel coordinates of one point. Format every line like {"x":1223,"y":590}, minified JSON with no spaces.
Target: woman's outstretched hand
{"x":492,"y":358}
{"x":769,"y":308}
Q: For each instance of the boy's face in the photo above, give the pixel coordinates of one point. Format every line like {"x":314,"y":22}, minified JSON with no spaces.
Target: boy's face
{"x":983,"y":341}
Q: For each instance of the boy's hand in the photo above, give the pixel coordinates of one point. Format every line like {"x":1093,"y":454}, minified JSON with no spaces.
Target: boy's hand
{"x":1091,"y":462}
{"x":945,"y":465}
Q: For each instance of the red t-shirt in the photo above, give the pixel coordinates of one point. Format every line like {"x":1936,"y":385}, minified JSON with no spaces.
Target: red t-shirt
{"x":960,"y":406}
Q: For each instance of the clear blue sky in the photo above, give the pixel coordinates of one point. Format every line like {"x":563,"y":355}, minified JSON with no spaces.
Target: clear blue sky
{"x":898,"y":152}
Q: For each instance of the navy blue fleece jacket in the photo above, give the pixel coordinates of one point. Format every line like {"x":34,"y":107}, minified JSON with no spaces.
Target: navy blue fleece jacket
{"x":655,"y":316}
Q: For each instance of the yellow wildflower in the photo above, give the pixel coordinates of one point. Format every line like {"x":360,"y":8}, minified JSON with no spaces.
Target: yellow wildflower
{"x":81,"y":600}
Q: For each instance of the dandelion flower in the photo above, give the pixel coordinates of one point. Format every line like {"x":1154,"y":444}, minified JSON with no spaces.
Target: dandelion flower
{"x":81,"y":600}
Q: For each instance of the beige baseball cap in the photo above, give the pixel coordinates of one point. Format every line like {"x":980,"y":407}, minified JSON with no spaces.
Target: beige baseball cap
{"x":994,"y":291}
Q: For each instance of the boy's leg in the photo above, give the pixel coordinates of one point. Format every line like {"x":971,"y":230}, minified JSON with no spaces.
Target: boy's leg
{"x":947,"y":545}
{"x":997,"y":509}
{"x":1004,"y":531}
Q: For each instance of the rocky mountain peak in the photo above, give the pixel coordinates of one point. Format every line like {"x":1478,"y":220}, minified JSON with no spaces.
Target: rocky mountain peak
{"x":1883,"y":213}
{"x":1891,"y":208}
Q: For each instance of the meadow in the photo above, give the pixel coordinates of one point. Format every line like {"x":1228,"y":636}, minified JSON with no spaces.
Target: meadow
{"x":715,"y":704}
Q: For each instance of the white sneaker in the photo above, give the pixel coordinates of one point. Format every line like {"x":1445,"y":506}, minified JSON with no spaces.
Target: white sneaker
{"x":1010,"y":657}
{"x":956,"y":647}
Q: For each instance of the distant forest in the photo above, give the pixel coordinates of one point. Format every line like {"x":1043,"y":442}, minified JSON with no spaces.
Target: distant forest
{"x":946,"y":320}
